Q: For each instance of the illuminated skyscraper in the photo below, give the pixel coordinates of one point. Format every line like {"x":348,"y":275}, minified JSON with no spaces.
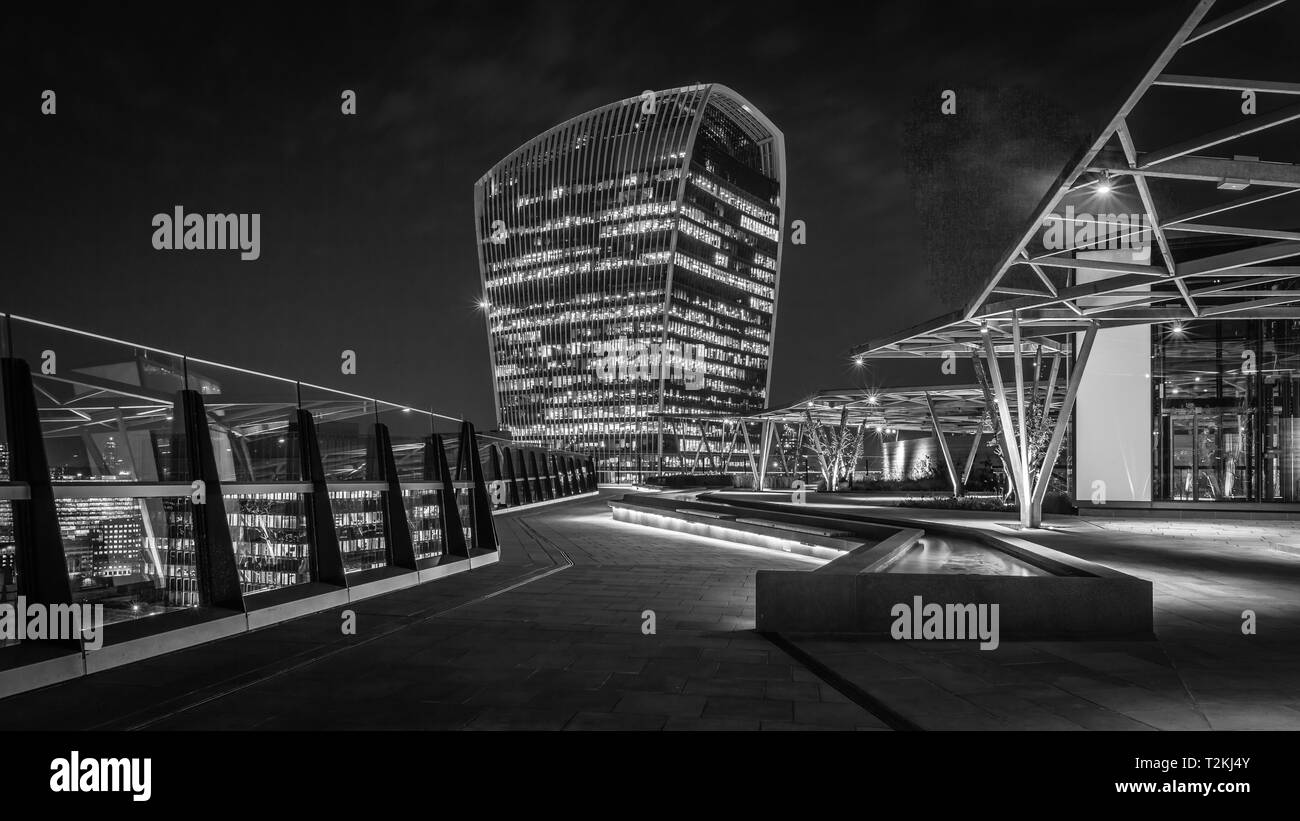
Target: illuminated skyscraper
{"x":630,"y":260}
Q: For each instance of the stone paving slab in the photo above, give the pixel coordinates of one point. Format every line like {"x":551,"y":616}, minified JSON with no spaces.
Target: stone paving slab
{"x":1201,"y":672}
{"x":567,"y":651}
{"x":563,"y":651}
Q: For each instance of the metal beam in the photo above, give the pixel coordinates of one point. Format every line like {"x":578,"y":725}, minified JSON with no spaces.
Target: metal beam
{"x":1021,"y":410}
{"x":1221,"y":287}
{"x":730,"y":448}
{"x":1058,"y":431}
{"x":1143,"y":301}
{"x":1021,"y":291}
{"x":1042,"y":275}
{"x":1256,"y":124}
{"x":1226,"y":84}
{"x":749,"y":450}
{"x":970,"y":457}
{"x":1011,"y":453}
{"x":953,"y":478}
{"x":1100,"y":265}
{"x":1099,"y":287}
{"x":1231,"y":19}
{"x":765,"y":450}
{"x":1238,"y":259}
{"x":1205,"y":169}
{"x":1155,"y":316}
{"x":1233,"y":231}
{"x":1149,"y":205}
{"x":1238,"y":307}
{"x":989,"y":404}
{"x":1262,"y":196}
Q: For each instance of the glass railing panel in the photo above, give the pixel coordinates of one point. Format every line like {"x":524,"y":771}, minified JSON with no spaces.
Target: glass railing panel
{"x":423,"y":516}
{"x":345,"y":429}
{"x":359,"y":524}
{"x":252,"y":421}
{"x":270,"y":535}
{"x":133,"y":555}
{"x":107,"y":408}
{"x":410,"y":430}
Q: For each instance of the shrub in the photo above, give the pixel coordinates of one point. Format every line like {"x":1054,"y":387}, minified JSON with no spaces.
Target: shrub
{"x":680,"y":480}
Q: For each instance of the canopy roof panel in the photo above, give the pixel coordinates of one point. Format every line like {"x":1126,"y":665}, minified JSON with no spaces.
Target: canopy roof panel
{"x":959,"y":408}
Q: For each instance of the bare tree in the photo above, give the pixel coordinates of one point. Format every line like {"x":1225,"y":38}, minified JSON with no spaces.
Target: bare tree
{"x":838,"y":447}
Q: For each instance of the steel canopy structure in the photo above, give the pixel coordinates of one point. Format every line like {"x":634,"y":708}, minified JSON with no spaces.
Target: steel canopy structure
{"x":940,"y":409}
{"x":1045,"y":300}
{"x":1038,"y":285}
{"x":959,"y":408}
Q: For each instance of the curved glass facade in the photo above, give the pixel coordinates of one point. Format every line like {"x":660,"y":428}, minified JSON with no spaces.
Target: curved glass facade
{"x":630,"y":259}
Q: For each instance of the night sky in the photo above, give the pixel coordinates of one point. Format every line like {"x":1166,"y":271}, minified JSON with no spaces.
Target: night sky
{"x":367,"y":221}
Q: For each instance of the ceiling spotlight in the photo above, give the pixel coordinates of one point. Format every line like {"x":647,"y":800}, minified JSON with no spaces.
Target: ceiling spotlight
{"x":1104,"y":184}
{"x":1177,"y":329}
{"x":857,"y":360}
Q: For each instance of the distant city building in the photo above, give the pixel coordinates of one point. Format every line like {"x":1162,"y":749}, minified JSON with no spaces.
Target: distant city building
{"x":630,"y":261}
{"x":118,"y":546}
{"x":101,"y":537}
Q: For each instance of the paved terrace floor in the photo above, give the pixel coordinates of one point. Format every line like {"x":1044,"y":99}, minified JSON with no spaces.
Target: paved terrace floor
{"x":1202,"y":672}
{"x":549,"y":638}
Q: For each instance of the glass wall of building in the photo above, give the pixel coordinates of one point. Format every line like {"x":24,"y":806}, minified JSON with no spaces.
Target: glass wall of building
{"x":630,"y":260}
{"x":1227,"y":418}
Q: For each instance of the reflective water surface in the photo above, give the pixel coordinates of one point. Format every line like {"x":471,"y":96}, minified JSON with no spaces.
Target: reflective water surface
{"x":937,"y":554}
